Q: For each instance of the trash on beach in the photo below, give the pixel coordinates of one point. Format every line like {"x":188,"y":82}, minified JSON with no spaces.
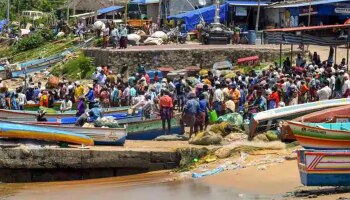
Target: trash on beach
{"x":208,"y":173}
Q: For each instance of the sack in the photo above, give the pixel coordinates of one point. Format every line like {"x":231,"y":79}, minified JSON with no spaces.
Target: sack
{"x":213,"y":117}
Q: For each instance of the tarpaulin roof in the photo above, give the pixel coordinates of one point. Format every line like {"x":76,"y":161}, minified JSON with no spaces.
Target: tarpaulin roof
{"x":144,"y":1}
{"x":2,"y":24}
{"x":192,"y":18}
{"x":304,"y":3}
{"x":109,"y":9}
{"x":247,"y":3}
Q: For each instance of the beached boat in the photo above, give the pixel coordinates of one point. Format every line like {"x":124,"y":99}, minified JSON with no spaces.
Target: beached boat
{"x":19,"y":115}
{"x":101,"y":136}
{"x":152,"y":128}
{"x":324,"y":167}
{"x":322,"y":135}
{"x":338,"y":114}
{"x":24,"y":131}
{"x":269,"y":119}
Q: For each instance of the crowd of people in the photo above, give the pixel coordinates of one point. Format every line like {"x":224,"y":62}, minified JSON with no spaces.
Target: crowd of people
{"x":192,"y":97}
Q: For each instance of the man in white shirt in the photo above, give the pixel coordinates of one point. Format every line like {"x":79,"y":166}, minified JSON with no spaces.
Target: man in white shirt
{"x":324,"y":93}
{"x":218,"y":98}
{"x":21,"y":100}
{"x":66,"y":104}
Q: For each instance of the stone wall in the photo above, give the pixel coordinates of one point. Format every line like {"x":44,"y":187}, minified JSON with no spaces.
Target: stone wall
{"x":176,"y":58}
{"x":30,"y":165}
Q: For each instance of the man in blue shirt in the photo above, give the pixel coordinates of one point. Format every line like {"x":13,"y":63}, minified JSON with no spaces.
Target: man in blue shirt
{"x":191,"y":110}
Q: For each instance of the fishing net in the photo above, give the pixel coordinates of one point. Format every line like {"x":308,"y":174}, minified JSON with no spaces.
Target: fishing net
{"x":232,"y":118}
{"x":206,"y":138}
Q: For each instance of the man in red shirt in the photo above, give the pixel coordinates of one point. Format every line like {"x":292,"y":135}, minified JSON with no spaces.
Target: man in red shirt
{"x":166,"y":109}
{"x":148,"y":79}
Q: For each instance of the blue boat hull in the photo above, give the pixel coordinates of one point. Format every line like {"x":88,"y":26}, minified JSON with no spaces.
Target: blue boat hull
{"x":308,"y":179}
{"x":119,"y":142}
{"x":152,"y":134}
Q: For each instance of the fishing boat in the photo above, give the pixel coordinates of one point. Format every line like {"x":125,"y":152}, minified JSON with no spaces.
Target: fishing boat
{"x":20,"y":115}
{"x":36,"y":106}
{"x":151,"y":129}
{"x":324,"y":167}
{"x":266,"y":120}
{"x":24,"y":131}
{"x":338,"y":114}
{"x":322,"y":135}
{"x":101,"y":136}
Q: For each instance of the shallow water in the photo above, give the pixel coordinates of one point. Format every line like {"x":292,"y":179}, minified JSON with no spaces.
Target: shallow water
{"x":143,"y":186}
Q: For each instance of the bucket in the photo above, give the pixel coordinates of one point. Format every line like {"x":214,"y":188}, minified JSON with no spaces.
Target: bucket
{"x":213,"y":117}
{"x":251,"y":37}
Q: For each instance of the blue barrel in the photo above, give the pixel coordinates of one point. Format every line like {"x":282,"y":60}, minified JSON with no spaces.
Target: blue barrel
{"x":251,"y":37}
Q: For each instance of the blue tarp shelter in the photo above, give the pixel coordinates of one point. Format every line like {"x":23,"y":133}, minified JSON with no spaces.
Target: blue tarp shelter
{"x":2,"y":24}
{"x":109,"y":9}
{"x":192,"y":18}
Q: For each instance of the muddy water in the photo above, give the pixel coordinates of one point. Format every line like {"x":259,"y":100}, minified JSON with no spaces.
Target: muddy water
{"x":148,"y":186}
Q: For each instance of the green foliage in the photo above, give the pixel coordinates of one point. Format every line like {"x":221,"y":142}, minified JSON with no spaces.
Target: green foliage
{"x":33,"y":41}
{"x":47,"y":34}
{"x":98,"y":42}
{"x":77,"y":68}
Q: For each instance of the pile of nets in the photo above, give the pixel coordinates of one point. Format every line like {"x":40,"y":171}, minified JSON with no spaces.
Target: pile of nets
{"x":206,"y":138}
{"x":109,"y":122}
{"x":174,"y":137}
{"x":232,"y":118}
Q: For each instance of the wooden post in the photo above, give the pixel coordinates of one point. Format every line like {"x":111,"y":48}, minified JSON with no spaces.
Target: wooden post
{"x":291,"y":54}
{"x":159,"y":12}
{"x":126,"y":12}
{"x":347,"y":56}
{"x":335,"y":55}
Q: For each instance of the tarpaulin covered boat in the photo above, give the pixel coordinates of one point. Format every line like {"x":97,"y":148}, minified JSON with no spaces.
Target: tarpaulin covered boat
{"x":322,"y":135}
{"x":268,"y":119}
{"x":24,"y":131}
{"x":324,"y":167}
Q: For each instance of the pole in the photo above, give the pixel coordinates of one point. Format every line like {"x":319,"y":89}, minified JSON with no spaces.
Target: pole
{"x":113,"y":12}
{"x":280,"y":54}
{"x":67,"y":11}
{"x":159,"y":12}
{"x":335,"y":54}
{"x":126,"y":12}
{"x":309,"y":20}
{"x":257,"y":18}
{"x":8,"y":10}
{"x":347,"y":56}
{"x":291,"y":54}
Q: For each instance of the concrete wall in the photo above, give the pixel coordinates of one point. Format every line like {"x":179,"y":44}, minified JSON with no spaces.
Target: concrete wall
{"x":176,"y":58}
{"x":28,"y":165}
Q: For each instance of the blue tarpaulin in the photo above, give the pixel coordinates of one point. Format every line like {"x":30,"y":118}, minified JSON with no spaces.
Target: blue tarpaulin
{"x":109,"y":9}
{"x":143,"y":1}
{"x":192,"y":18}
{"x":247,"y":3}
{"x":2,"y":24}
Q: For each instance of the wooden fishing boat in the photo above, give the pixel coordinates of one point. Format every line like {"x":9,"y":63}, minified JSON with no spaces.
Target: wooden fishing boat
{"x":266,"y":120}
{"x":338,"y":114}
{"x":324,"y":167}
{"x":24,"y":131}
{"x":36,"y":106}
{"x":322,"y":135}
{"x":151,"y":129}
{"x":101,"y":136}
{"x":19,"y":115}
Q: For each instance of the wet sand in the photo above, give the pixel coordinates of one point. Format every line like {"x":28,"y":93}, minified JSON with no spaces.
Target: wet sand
{"x":276,"y":179}
{"x":249,"y":183}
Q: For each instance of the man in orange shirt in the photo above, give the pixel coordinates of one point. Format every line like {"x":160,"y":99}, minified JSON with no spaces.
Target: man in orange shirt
{"x":303,"y":90}
{"x":166,"y":109}
{"x":236,"y":95}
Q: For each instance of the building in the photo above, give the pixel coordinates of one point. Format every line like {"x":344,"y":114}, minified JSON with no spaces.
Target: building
{"x":310,"y":13}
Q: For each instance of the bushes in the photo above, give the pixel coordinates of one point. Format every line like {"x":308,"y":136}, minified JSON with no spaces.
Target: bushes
{"x":34,"y":40}
{"x":77,"y":68}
